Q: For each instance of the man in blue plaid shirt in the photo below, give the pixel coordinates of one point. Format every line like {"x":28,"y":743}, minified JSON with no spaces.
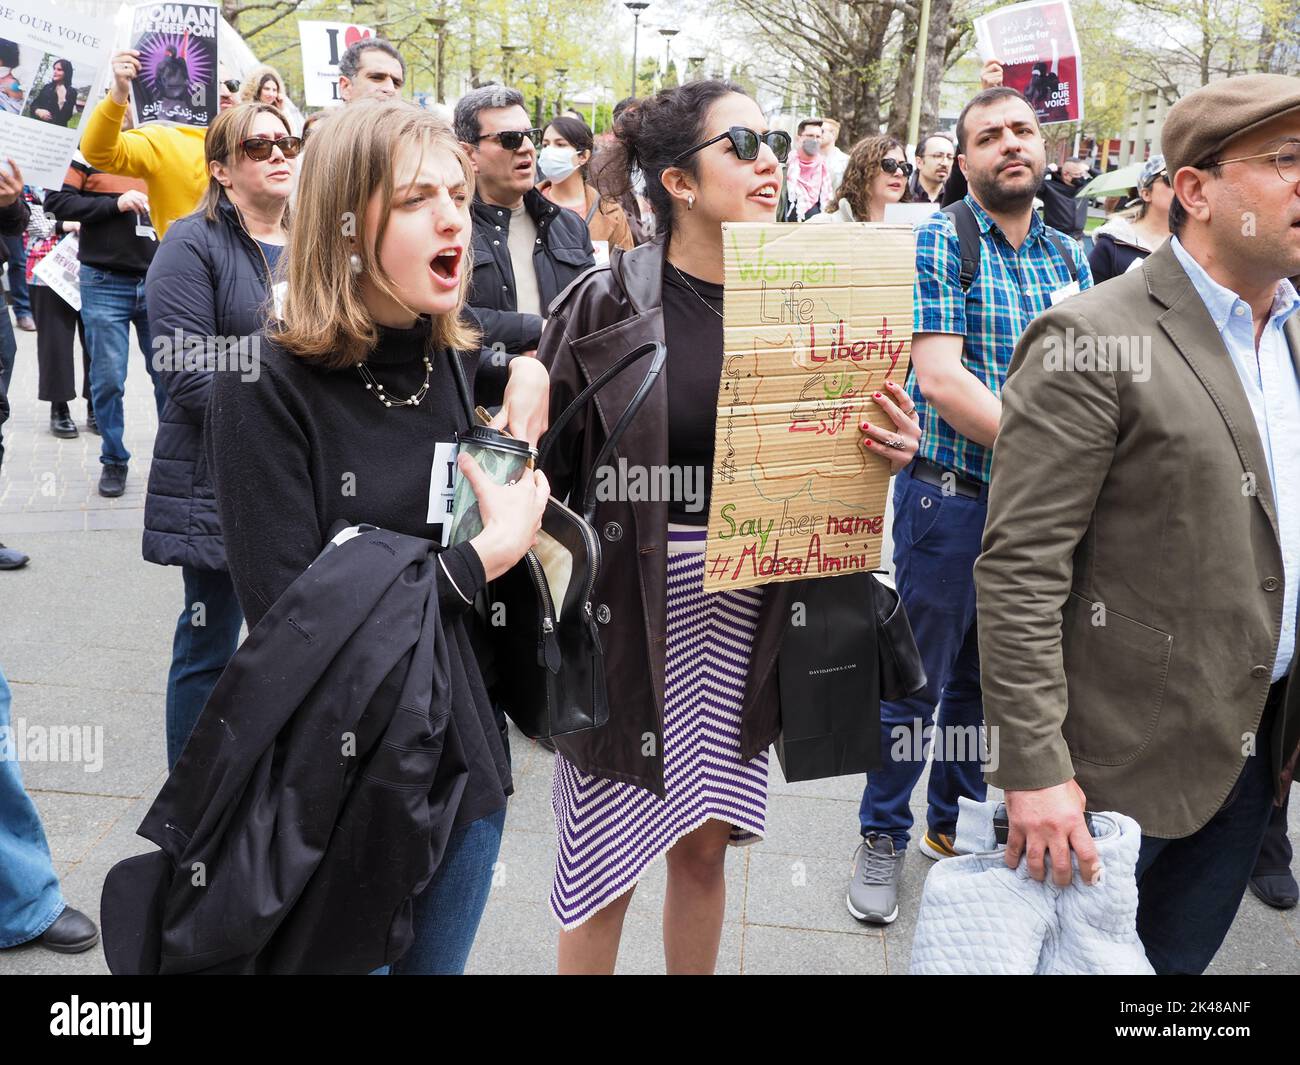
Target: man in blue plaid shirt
{"x":961,"y":347}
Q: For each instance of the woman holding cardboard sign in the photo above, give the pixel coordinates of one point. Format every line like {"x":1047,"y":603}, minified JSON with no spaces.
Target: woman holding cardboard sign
{"x":681,"y":768}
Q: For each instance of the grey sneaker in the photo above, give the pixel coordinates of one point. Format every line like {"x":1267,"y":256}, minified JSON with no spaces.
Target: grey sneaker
{"x":873,"y":892}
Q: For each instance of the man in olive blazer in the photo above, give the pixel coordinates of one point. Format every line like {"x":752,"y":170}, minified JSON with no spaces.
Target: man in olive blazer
{"x":1137,"y":587}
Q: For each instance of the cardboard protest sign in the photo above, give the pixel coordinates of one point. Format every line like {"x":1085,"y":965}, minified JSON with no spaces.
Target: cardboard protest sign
{"x":1039,"y":52}
{"x":50,"y":56}
{"x":178,"y":63}
{"x":323,"y":45}
{"x":816,"y":319}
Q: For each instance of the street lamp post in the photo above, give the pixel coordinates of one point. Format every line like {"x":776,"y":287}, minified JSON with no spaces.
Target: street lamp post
{"x":507,"y":50}
{"x":438,"y":23}
{"x":561,"y":74}
{"x":667,"y":35}
{"x":918,"y":77}
{"x":636,"y":7}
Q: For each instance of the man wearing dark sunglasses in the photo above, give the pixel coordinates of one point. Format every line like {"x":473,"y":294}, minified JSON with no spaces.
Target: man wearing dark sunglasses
{"x":526,"y":250}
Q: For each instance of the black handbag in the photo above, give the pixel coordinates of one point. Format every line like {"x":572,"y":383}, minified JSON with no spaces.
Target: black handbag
{"x":551,"y":675}
{"x":834,"y":668}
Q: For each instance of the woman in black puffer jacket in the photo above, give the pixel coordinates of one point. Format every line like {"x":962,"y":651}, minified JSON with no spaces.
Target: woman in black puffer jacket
{"x":207,"y":292}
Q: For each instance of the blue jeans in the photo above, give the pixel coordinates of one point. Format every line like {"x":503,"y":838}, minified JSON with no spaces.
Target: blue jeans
{"x":30,"y":899}
{"x":18,"y":275}
{"x":447,"y":912}
{"x":110,"y":303}
{"x":936,"y":541}
{"x":1189,"y":889}
{"x":205,"y":641}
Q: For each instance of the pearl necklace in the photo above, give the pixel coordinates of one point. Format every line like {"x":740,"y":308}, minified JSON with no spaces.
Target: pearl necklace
{"x":377,"y":390}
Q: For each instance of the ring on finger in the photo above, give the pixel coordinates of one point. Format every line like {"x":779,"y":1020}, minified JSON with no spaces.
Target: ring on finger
{"x":896,"y":442}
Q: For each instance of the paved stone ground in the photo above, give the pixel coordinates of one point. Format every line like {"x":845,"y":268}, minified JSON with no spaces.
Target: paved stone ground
{"x":85,"y":636}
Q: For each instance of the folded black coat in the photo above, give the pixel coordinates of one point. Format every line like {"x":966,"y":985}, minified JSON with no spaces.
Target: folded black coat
{"x":316,"y":794}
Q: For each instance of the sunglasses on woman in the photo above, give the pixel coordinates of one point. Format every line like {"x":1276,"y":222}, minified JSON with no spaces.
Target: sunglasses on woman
{"x":512,"y":139}
{"x":746,"y":144}
{"x":259,"y":149}
{"x":896,"y":166}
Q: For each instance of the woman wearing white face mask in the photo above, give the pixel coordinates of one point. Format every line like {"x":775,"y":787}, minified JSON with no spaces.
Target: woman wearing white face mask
{"x":566,"y":150}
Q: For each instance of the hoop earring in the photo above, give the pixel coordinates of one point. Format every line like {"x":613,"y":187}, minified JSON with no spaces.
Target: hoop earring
{"x":354,"y":263}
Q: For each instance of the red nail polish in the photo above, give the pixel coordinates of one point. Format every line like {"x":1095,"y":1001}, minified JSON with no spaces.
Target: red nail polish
{"x":878,"y":396}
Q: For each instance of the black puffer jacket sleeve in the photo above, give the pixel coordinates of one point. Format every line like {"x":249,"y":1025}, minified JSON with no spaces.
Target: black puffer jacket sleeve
{"x":506,"y":334}
{"x":180,"y":291}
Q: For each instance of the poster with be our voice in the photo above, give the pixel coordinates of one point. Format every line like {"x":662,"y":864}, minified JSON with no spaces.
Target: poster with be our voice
{"x":1039,"y":51}
{"x":49,"y":59}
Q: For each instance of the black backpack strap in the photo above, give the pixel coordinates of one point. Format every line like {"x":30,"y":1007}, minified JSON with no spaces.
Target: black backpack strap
{"x":1059,"y":243}
{"x":968,"y":237}
{"x":592,"y":213}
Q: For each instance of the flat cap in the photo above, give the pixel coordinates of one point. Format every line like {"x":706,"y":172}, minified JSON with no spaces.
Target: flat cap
{"x":1202,"y":122}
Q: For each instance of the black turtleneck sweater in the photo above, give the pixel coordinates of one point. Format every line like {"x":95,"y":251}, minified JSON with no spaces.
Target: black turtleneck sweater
{"x":302,"y":448}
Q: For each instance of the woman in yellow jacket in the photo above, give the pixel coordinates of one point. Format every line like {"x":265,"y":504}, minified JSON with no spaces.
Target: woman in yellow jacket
{"x":168,"y":158}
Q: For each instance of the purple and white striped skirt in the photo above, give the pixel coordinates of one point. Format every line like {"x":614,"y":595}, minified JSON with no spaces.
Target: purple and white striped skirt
{"x":608,"y":831}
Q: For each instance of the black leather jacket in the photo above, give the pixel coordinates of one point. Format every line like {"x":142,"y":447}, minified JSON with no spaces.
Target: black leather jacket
{"x":563,"y":251}
{"x":606,"y":314}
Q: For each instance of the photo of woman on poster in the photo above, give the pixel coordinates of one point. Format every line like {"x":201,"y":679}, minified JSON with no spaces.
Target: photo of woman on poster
{"x":56,"y":100}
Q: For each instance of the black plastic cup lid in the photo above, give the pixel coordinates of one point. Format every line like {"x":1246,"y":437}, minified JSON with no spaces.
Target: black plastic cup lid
{"x":487,"y":437}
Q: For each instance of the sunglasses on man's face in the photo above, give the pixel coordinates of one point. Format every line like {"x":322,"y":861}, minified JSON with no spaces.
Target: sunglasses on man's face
{"x":896,"y":166}
{"x":259,"y":149}
{"x":232,"y":86}
{"x":746,"y":143}
{"x":512,"y":139}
